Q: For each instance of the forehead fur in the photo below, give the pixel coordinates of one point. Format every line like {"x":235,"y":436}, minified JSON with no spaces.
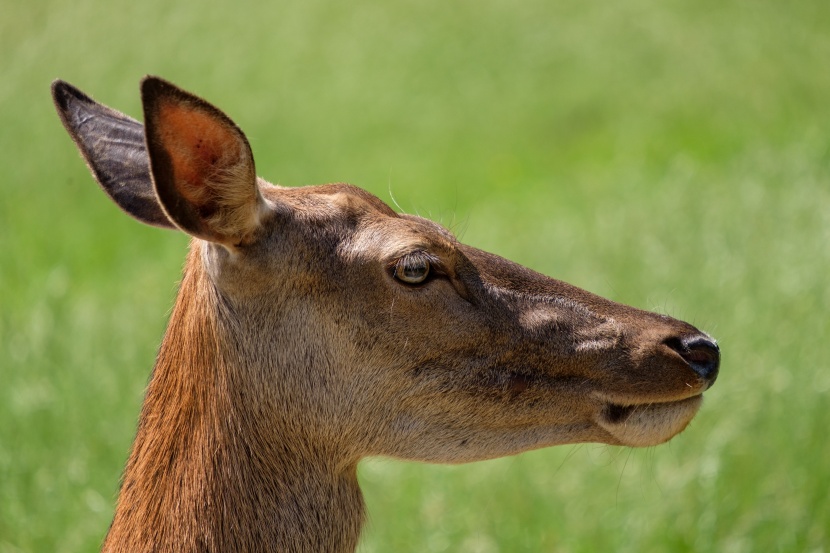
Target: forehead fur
{"x":396,"y":237}
{"x":378,"y":231}
{"x":328,"y":200}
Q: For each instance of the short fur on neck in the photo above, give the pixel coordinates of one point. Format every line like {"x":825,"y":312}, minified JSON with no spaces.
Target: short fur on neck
{"x":206,"y":475}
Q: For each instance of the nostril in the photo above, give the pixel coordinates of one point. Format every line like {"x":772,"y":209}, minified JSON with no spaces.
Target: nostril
{"x":701,"y":353}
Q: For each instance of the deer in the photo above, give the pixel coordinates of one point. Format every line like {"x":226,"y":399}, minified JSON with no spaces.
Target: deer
{"x":315,"y":326}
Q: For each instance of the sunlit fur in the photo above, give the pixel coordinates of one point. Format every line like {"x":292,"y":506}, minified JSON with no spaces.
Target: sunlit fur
{"x":293,"y":351}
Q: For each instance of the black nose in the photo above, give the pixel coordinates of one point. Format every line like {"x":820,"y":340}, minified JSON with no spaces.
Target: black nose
{"x":701,"y":353}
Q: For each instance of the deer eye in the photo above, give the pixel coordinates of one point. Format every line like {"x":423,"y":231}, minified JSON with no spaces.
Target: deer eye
{"x":412,"y":268}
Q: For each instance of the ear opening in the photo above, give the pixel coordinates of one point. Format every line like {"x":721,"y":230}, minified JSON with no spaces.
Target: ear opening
{"x":202,"y":165}
{"x":112,"y":144}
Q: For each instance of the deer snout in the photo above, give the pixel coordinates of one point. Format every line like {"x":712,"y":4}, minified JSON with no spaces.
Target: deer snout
{"x":701,"y":353}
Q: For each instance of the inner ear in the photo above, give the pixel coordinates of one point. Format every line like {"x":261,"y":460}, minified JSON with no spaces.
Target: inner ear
{"x":201,"y":151}
{"x":202,"y":165}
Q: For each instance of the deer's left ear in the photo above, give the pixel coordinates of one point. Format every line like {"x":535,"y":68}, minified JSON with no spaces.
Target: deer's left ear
{"x":202,"y":165}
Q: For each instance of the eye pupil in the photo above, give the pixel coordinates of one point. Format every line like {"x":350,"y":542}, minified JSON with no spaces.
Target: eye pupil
{"x":412,"y":269}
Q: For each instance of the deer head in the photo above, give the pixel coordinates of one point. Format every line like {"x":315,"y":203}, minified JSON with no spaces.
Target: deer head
{"x":316,"y":325}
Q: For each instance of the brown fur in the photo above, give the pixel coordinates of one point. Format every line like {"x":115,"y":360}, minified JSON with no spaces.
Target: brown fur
{"x":295,"y":349}
{"x":207,"y":472}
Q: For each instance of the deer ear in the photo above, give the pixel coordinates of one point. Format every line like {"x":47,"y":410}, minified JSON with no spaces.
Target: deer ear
{"x":113,"y":146}
{"x":202,"y":165}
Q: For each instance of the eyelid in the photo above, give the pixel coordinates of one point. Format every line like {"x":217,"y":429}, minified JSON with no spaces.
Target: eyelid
{"x":433,"y":260}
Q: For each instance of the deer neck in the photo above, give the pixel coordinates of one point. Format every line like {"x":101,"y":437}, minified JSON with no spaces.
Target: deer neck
{"x":205,"y":473}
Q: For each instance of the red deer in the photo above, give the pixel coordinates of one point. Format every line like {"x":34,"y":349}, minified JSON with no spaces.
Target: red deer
{"x":315,"y":326}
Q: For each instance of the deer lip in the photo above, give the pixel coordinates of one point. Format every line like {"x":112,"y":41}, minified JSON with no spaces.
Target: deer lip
{"x":647,"y":423}
{"x":619,"y":413}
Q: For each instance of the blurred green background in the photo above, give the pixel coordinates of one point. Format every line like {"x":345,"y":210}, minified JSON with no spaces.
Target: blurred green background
{"x":670,"y":155}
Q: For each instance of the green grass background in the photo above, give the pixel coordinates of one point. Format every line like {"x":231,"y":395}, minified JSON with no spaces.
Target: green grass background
{"x":673,"y":155}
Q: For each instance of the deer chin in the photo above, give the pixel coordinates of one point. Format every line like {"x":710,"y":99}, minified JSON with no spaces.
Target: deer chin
{"x":647,"y":424}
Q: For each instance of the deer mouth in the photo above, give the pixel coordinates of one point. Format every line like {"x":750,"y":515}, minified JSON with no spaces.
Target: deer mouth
{"x":647,"y":424}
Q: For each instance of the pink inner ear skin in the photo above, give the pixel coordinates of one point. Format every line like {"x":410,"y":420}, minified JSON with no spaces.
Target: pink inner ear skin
{"x":199,"y":147}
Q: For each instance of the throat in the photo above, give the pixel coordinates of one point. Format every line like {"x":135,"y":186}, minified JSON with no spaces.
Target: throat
{"x":205,"y":473}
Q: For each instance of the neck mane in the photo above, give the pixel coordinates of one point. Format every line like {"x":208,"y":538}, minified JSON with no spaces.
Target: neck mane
{"x":208,"y":471}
